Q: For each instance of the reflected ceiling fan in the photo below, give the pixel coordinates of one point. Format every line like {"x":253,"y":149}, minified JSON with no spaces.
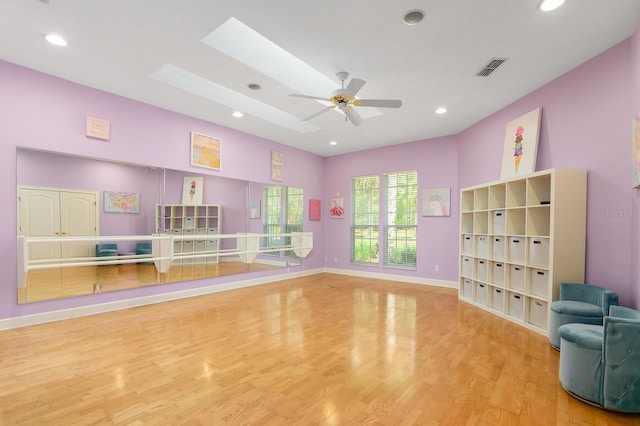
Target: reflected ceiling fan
{"x":345,"y":100}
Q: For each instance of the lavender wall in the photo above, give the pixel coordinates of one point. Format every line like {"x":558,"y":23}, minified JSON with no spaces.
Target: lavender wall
{"x":586,"y":123}
{"x":436,"y":163}
{"x":43,"y":112}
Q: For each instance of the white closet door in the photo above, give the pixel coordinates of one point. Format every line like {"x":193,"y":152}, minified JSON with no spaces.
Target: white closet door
{"x":40,"y":217}
{"x":77,"y":219}
{"x":54,"y":213}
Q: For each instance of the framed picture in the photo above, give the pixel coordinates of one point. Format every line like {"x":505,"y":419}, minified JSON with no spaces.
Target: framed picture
{"x":314,"y":210}
{"x":277,"y":166}
{"x":635,"y":179}
{"x":436,"y":202}
{"x":205,"y":151}
{"x":336,"y":211}
{"x":121,"y":202}
{"x":192,"y":188}
{"x":521,"y":145}
{"x":255,"y":209}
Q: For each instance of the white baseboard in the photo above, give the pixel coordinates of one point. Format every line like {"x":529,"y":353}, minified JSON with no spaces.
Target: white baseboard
{"x":81,"y":311}
{"x":393,"y":277}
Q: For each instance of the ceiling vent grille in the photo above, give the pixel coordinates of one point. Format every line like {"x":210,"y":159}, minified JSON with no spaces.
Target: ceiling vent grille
{"x":491,"y":66}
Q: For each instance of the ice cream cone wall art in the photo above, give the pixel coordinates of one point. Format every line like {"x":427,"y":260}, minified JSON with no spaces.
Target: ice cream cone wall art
{"x":205,"y":151}
{"x":521,"y":145}
{"x":192,"y":190}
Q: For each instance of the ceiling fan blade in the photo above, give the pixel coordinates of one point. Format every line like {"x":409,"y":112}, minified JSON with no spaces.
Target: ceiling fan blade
{"x":318,"y":98}
{"x":322,"y":111}
{"x":354,"y":87}
{"x":382,"y":103}
{"x":353,"y":116}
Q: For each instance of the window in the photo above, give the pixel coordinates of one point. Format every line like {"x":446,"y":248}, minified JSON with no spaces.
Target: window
{"x":293,"y":215}
{"x":283,"y":214}
{"x":401,"y":219}
{"x":365,"y":219}
{"x":272,"y":210}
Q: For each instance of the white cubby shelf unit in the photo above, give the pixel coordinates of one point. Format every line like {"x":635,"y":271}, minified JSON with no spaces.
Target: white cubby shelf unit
{"x":519,"y":239}
{"x":189,"y":220}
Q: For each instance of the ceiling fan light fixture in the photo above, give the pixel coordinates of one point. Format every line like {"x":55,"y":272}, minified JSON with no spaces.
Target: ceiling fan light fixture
{"x":413,"y":17}
{"x":549,"y":5}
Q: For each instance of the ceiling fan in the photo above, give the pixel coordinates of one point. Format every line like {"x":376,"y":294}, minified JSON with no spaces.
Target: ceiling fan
{"x":345,"y":100}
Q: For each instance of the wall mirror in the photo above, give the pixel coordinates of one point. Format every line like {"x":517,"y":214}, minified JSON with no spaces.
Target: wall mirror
{"x":75,"y":196}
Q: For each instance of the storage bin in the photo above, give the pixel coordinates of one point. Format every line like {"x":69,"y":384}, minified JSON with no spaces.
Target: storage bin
{"x":481,"y":269}
{"x":189,"y":223}
{"x":467,"y":245}
{"x":497,"y":299}
{"x":467,"y":288}
{"x":499,"y":222}
{"x":516,"y":306}
{"x":497,"y":248}
{"x":481,"y":293}
{"x":482,"y":246}
{"x":467,"y":267}
{"x":497,"y":273}
{"x":538,"y":313}
{"x":516,"y":249}
{"x":539,"y":252}
{"x":539,"y":282}
{"x":516,"y":277}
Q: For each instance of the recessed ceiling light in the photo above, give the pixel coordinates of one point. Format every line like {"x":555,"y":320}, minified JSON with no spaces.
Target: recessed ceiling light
{"x":333,"y":143}
{"x":254,"y":86}
{"x":548,"y":5}
{"x":237,"y":114}
{"x":55,"y":39}
{"x":441,"y":110}
{"x":413,"y":17}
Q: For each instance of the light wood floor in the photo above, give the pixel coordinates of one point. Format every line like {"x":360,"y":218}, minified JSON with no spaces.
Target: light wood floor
{"x":320,"y":350}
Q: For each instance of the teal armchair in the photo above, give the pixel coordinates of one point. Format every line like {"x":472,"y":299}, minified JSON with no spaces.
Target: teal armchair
{"x":579,"y":303}
{"x":106,"y":249}
{"x":600,"y":364}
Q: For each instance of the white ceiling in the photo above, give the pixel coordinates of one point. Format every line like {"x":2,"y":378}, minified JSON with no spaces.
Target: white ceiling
{"x":121,"y":46}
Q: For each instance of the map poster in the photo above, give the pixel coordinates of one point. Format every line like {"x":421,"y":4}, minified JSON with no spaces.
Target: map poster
{"x":121,"y":202}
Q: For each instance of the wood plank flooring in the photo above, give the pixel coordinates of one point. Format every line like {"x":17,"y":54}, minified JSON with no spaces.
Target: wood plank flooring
{"x":320,"y":350}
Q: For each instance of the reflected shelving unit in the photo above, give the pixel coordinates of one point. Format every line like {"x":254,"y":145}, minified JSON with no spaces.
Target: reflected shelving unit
{"x":189,"y":220}
{"x":520,"y":238}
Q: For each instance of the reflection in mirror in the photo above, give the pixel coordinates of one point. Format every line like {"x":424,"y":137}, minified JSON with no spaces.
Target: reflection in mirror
{"x":94,"y":205}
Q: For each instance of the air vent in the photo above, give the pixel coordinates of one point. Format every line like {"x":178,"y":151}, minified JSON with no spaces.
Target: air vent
{"x":491,"y":66}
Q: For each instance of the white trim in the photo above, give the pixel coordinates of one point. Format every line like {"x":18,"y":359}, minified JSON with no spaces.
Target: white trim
{"x":81,"y":311}
{"x":392,"y":277}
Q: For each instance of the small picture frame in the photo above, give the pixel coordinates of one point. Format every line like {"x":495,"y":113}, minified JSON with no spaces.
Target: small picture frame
{"x":277,"y":166}
{"x":121,"y":202}
{"x":336,"y":211}
{"x":436,"y":202}
{"x":205,"y":151}
{"x":192,"y":189}
{"x":255,"y":209}
{"x":314,"y":209}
